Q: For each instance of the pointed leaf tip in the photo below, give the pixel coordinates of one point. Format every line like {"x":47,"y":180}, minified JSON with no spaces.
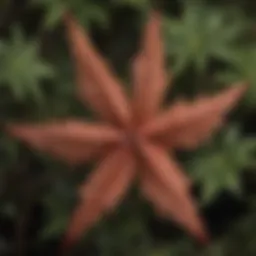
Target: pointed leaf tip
{"x":69,"y":19}
{"x":66,"y":15}
{"x":97,"y":84}
{"x":204,"y":239}
{"x":101,"y":192}
{"x":149,"y":76}
{"x":202,"y":235}
{"x":155,"y":14}
{"x":187,"y":124}
{"x":71,"y":141}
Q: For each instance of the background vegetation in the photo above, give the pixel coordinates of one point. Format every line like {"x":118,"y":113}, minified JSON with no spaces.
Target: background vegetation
{"x":209,"y":44}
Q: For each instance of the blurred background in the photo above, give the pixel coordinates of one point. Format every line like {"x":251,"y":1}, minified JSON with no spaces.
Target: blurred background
{"x":209,"y":45}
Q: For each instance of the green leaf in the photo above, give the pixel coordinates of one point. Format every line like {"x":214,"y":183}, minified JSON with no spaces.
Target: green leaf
{"x":218,"y":166}
{"x":57,"y":202}
{"x":138,"y":4}
{"x":22,"y":67}
{"x":91,"y":13}
{"x":202,"y":32}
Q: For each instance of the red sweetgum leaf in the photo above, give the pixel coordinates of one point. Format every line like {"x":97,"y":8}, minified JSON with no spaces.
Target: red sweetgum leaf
{"x":184,"y":125}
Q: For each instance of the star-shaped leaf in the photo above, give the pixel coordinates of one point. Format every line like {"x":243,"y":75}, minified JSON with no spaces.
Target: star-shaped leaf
{"x":192,"y":38}
{"x":135,"y":136}
{"x":15,"y":58}
{"x":224,"y":161}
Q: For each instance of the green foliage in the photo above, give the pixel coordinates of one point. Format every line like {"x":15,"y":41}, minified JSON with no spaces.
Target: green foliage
{"x":219,"y":166}
{"x":208,"y":43}
{"x":242,"y":67}
{"x":239,"y":240}
{"x":132,"y":236}
{"x":138,"y":4}
{"x":201,"y":33}
{"x":22,"y":68}
{"x":54,"y":11}
{"x":92,"y":13}
{"x":58,"y":201}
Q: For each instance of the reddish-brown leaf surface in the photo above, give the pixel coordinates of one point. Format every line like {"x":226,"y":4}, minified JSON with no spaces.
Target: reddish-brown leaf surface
{"x":96,"y":84}
{"x":150,"y":60}
{"x":135,"y":133}
{"x":73,"y":140}
{"x":103,"y":190}
{"x":187,"y":124}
